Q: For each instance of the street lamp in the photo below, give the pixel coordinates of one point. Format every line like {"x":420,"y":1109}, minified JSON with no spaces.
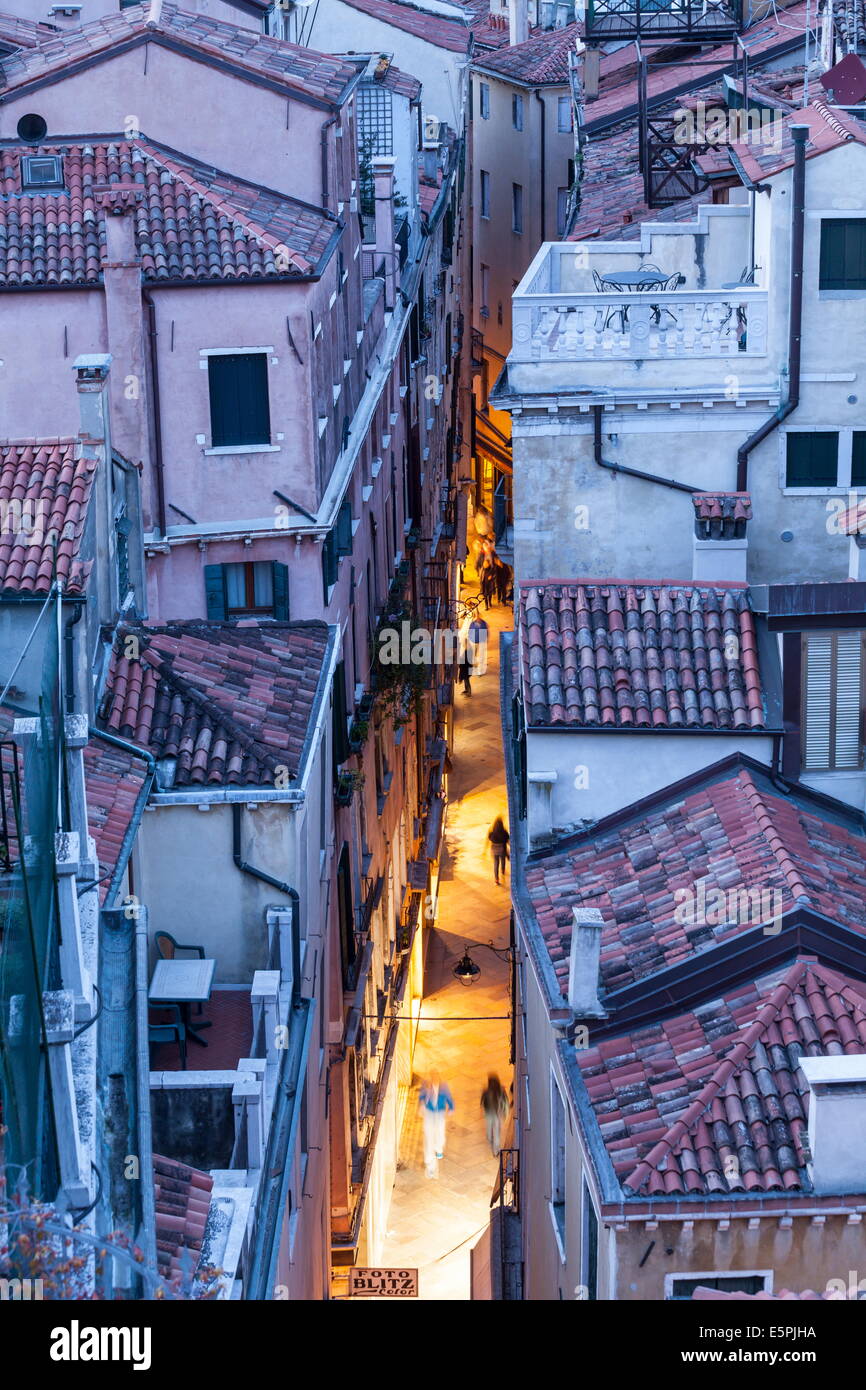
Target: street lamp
{"x":467,"y":970}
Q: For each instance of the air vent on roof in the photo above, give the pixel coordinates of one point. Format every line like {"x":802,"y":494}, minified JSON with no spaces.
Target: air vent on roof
{"x":32,"y":128}
{"x":40,"y":171}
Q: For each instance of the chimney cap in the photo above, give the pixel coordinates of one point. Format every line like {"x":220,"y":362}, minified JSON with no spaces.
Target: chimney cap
{"x":93,"y":366}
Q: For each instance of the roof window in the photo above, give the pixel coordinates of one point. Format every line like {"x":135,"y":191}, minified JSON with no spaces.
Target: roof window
{"x":41,"y":171}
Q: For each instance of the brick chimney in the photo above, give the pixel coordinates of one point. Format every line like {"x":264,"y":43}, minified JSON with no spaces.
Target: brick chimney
{"x":126,"y":325}
{"x":383,"y":184}
{"x":583,"y":963}
{"x":720,"y":547}
{"x":92,"y":380}
{"x":518,"y":21}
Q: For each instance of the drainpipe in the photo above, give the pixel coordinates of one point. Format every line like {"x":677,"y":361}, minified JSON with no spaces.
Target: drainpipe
{"x":623,"y":468}
{"x":68,"y":650}
{"x":540,"y":99}
{"x":147,"y":300}
{"x":277,"y":883}
{"x":325,"y":128}
{"x":800,"y":134}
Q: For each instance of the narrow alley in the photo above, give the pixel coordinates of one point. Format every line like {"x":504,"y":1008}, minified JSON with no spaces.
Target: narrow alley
{"x":464,"y":1030}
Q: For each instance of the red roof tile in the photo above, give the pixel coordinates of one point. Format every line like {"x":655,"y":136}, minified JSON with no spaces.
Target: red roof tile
{"x":852,"y":522}
{"x":191,"y":222}
{"x":229,"y":704}
{"x":638,"y":655}
{"x":541,"y":60}
{"x":699,"y":867}
{"x":713,"y":1101}
{"x":829,"y":129}
{"x":387,"y":75}
{"x":114,"y":781}
{"x":721,"y":515}
{"x":23,"y":33}
{"x":303,"y":70}
{"x":438,"y":29}
{"x":45,"y":487}
{"x":182,"y":1206}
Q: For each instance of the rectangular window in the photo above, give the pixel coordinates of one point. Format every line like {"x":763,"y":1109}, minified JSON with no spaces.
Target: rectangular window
{"x":812,"y":458}
{"x":557,"y":1163}
{"x":346,"y":914}
{"x":843,"y":253}
{"x":517,"y":207}
{"x":683,"y":1286}
{"x":858,"y":459}
{"x":561,"y":211}
{"x":239,"y":409}
{"x":485,"y":193}
{"x":41,"y":171}
{"x":484,"y":100}
{"x":832,"y":701}
{"x":589,"y":1247}
{"x":517,"y":111}
{"x":255,"y":588}
{"x":563,"y":115}
{"x":485,"y":289}
{"x":330,"y":564}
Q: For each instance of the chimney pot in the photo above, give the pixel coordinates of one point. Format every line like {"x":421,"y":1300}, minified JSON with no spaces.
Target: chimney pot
{"x":518,"y":21}
{"x":837,"y":1122}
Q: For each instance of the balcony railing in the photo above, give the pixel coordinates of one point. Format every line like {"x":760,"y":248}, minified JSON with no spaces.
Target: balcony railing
{"x":688,"y":324}
{"x":662,"y":19}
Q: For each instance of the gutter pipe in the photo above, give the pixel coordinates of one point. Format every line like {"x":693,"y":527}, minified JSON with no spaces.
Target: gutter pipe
{"x":795,"y":329}
{"x":623,"y":468}
{"x":291,"y":893}
{"x":147,"y":300}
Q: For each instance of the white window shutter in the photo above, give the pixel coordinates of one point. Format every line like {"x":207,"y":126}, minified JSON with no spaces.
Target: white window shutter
{"x":819,"y":679}
{"x":848,"y":699}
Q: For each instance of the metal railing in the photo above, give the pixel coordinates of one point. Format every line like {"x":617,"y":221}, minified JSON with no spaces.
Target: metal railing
{"x":658,"y":19}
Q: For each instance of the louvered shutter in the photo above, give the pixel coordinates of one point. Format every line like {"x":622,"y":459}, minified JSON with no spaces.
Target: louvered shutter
{"x":239,"y":410}
{"x":833,"y":697}
{"x":281,"y":592}
{"x":846,"y":740}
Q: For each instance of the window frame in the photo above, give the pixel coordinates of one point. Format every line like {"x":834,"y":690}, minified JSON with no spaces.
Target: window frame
{"x":484,"y":193}
{"x":517,"y":111}
{"x":558,"y":1200}
{"x":833,"y":634}
{"x":484,"y":100}
{"x":206,"y":355}
{"x":725,"y":1276}
{"x":560,"y":128}
{"x":840,"y":286}
{"x":806,"y":487}
{"x":517,"y":209}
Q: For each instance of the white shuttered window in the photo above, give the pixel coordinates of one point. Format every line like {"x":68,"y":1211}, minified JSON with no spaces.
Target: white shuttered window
{"x":832,"y":700}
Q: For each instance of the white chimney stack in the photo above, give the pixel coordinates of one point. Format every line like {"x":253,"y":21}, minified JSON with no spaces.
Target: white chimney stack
{"x":719,"y":547}
{"x":583,"y":963}
{"x":837,"y":1122}
{"x":518,"y":21}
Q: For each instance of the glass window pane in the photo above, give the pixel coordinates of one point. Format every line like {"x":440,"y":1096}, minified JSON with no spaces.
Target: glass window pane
{"x":263,"y":584}
{"x":235,"y":590}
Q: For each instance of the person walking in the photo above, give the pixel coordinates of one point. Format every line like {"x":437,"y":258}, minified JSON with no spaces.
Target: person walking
{"x":477,"y":636}
{"x":435,"y":1101}
{"x":488,"y":583}
{"x":494,"y":1103}
{"x":503,"y":581}
{"x":464,"y":667}
{"x":499,"y":838}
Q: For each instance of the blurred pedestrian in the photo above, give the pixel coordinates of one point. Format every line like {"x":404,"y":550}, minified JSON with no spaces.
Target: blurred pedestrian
{"x":494,"y":1103}
{"x":435,"y":1101}
{"x":488,"y":583}
{"x":503,"y":580}
{"x":464,"y":670}
{"x":499,"y":838}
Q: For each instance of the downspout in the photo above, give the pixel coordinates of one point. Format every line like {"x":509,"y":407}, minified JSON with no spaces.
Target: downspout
{"x":277,"y":883}
{"x":798,"y":216}
{"x":68,"y":652}
{"x":623,"y":468}
{"x":540,"y":99}
{"x":147,"y":299}
{"x":324,"y":136}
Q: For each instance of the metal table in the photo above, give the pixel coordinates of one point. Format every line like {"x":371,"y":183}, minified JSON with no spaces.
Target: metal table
{"x":183,"y":982}
{"x":627,"y":280}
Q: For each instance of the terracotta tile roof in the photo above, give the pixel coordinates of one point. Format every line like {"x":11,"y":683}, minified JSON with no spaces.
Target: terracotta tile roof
{"x":229,"y":702}
{"x":852,"y":522}
{"x":721,"y":514}
{"x":45,"y":487}
{"x":649,"y":872}
{"x":23,"y":33}
{"x":541,"y":60}
{"x":808,"y":1295}
{"x":191,"y":222}
{"x":114,"y":781}
{"x":182,"y":1207}
{"x":713,"y":1101}
{"x":403,"y":83}
{"x":303,"y":70}
{"x":638,"y":655}
{"x":438,"y":29}
{"x":829,"y":129}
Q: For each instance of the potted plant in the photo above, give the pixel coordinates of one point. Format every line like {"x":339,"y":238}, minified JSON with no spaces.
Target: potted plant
{"x":358,"y":734}
{"x":347,"y":784}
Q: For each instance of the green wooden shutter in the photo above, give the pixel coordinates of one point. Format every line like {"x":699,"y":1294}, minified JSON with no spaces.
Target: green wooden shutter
{"x":239,"y":410}
{"x":281,"y":591}
{"x":812,"y":458}
{"x":215,"y":593}
{"x":344,"y":529}
{"x":858,"y":459}
{"x":341,"y":716}
{"x":843,"y":254}
{"x":329,"y":563}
